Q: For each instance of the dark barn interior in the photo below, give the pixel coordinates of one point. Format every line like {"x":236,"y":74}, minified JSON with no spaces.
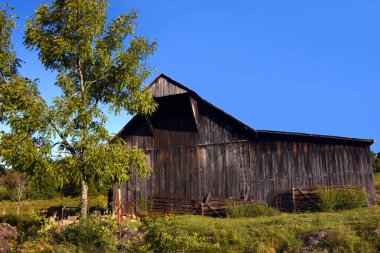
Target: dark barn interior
{"x":195,"y":148}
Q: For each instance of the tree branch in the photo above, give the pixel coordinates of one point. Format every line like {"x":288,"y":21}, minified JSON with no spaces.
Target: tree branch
{"x":81,"y":78}
{"x":97,"y":80}
{"x":62,"y":136}
{"x":3,"y":77}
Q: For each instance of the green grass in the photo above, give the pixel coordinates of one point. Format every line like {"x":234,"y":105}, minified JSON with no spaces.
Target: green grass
{"x":355,"y":232}
{"x":284,"y":232}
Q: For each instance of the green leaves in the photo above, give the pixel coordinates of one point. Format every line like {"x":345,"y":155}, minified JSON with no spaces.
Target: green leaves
{"x":8,"y":60}
{"x":67,"y":140}
{"x":110,"y":163}
{"x":26,"y":145}
{"x":65,"y":30}
{"x":95,"y":69}
{"x":376,"y":161}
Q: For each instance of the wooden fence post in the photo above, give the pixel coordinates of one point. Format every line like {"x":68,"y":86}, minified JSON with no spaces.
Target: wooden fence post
{"x":118,"y":204}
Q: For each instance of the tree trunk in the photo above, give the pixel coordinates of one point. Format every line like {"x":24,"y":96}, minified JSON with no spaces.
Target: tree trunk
{"x":84,"y":200}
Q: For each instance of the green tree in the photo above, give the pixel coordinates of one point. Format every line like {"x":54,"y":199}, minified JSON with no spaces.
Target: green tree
{"x":95,"y":70}
{"x":376,"y":162}
{"x":25,"y":145}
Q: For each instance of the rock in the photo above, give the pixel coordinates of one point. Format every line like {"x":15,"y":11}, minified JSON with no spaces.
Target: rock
{"x":308,"y":250}
{"x":313,"y":239}
{"x":8,"y":234}
{"x":133,"y":234}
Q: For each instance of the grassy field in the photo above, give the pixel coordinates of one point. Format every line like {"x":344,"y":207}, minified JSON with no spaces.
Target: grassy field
{"x":354,"y":231}
{"x":10,"y":207}
{"x":348,"y":231}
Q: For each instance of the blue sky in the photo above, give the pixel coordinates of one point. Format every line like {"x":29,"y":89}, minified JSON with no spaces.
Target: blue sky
{"x":298,"y":66}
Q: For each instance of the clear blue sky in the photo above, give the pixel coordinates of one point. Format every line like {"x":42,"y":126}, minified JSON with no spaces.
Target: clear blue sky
{"x":301,"y":66}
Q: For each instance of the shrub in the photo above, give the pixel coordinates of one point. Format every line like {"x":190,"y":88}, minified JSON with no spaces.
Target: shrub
{"x":160,"y":234}
{"x":337,"y":199}
{"x":93,"y":234}
{"x":3,"y":193}
{"x":354,"y":198}
{"x":328,"y":199}
{"x":250,"y":210}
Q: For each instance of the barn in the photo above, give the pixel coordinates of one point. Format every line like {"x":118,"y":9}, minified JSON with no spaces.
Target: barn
{"x":196,"y":150}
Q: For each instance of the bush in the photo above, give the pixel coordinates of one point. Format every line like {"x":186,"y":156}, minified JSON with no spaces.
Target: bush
{"x":338,"y":199}
{"x":93,"y":234}
{"x":3,"y":193}
{"x":328,"y":199}
{"x":250,"y":210}
{"x":353,"y":198}
{"x":160,"y":234}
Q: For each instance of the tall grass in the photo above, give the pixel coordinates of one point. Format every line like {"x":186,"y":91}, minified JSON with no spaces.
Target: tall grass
{"x":238,"y":210}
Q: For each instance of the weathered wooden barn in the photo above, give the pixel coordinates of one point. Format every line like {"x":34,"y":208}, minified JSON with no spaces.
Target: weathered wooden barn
{"x":195,"y":148}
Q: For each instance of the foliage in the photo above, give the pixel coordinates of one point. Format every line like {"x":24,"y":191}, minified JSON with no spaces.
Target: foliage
{"x":94,"y":234}
{"x":377,"y":186}
{"x":336,"y":199}
{"x":236,"y":210}
{"x":354,"y":231}
{"x":160,"y":234}
{"x":376,"y":161}
{"x":35,"y":187}
{"x":353,"y":198}
{"x":8,"y":61}
{"x":68,"y":141}
{"x":4,"y":194}
{"x":25,"y":145}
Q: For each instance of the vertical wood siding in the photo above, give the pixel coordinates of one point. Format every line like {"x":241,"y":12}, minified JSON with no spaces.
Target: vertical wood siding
{"x":188,"y":165}
{"x":188,"y":162}
{"x":162,"y":87}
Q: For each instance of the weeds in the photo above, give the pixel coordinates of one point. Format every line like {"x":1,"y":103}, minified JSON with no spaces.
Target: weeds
{"x":339,"y":199}
{"x":94,"y":234}
{"x":237,"y":210}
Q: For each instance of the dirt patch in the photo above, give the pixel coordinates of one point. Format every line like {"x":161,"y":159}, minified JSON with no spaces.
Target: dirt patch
{"x":8,"y":237}
{"x":313,"y":239}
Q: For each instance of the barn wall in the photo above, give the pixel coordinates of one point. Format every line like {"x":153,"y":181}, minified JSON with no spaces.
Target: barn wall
{"x":225,"y":163}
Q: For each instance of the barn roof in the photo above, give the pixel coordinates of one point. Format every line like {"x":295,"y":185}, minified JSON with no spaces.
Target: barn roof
{"x":258,"y":134}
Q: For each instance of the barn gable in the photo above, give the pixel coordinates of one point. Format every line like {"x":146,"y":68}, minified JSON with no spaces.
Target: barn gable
{"x":165,"y":86}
